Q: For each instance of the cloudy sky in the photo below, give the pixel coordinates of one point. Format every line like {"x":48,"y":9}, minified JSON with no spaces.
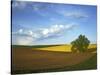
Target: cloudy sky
{"x":35,"y":23}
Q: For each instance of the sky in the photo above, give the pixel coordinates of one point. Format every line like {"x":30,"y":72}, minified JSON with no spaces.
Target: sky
{"x":38,"y":23}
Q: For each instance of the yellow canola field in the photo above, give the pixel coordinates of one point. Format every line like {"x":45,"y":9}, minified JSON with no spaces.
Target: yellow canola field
{"x":92,"y":46}
{"x":61,"y":48}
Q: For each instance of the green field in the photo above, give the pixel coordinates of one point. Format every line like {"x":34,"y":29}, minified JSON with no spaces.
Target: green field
{"x":51,"y":58}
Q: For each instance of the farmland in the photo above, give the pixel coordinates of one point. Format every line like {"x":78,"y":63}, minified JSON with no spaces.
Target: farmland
{"x":49,"y":58}
{"x":61,"y":48}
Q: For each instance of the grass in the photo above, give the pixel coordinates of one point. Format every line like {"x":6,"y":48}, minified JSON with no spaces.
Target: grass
{"x":86,"y":65}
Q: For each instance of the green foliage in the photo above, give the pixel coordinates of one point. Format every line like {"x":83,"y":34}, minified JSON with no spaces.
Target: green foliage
{"x":80,"y":44}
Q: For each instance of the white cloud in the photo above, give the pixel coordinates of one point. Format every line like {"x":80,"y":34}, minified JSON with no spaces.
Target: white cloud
{"x":30,"y":32}
{"x":76,"y":15}
{"x":55,"y":29}
{"x":23,"y":37}
{"x":36,"y":7}
{"x":73,"y":14}
{"x":27,"y":37}
{"x":19,"y":4}
{"x":24,"y":40}
{"x":20,"y":31}
{"x":45,"y":31}
{"x":26,"y":33}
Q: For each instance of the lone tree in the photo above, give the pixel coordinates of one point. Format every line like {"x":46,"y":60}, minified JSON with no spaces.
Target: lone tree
{"x":80,"y":44}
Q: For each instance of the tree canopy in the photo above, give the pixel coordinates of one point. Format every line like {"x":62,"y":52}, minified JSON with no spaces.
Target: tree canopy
{"x":80,"y":44}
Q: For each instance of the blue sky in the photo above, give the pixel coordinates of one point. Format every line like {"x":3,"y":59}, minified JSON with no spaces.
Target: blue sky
{"x":35,"y":23}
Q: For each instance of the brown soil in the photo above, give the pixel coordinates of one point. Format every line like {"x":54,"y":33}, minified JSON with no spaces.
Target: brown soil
{"x":29,"y":59}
